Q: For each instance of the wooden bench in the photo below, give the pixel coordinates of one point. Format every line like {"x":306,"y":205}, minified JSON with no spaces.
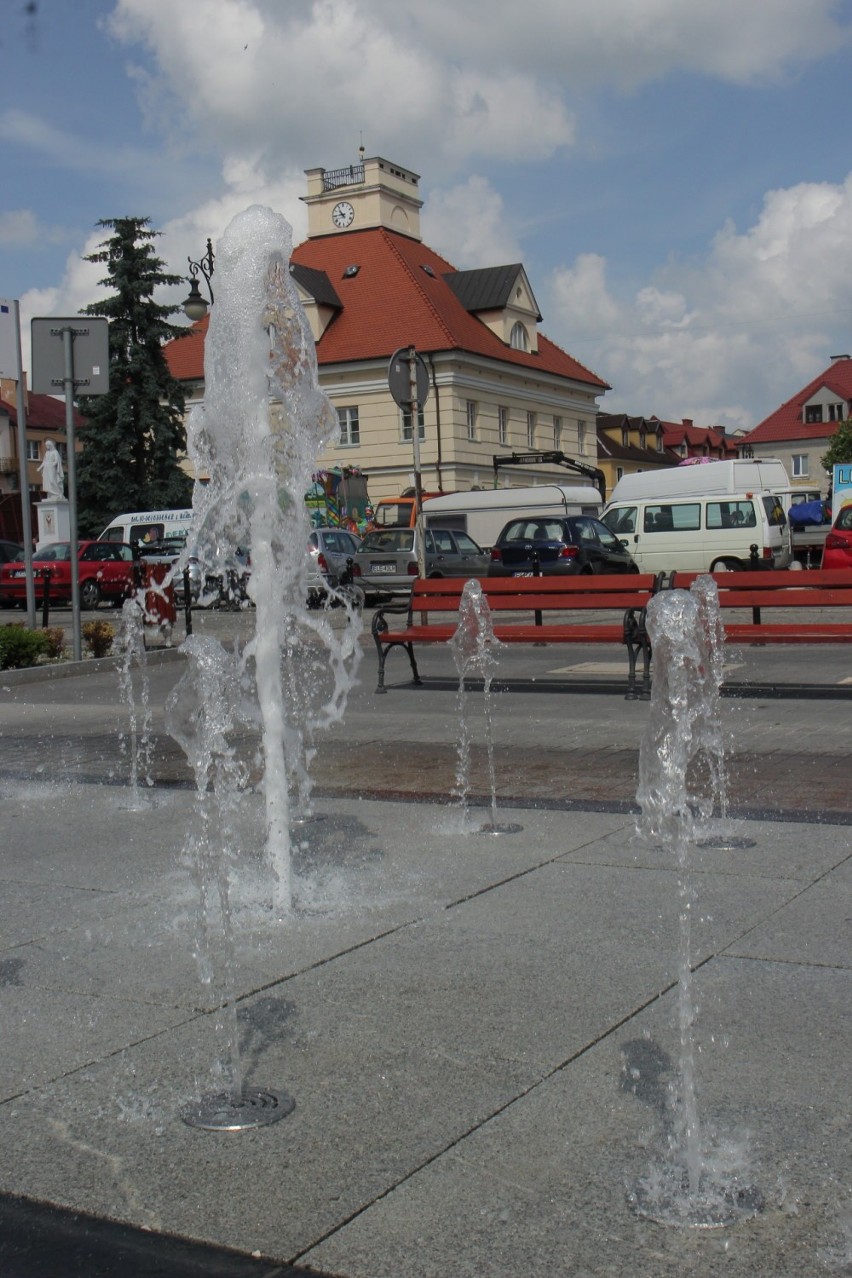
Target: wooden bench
{"x":801,"y":592}
{"x":531,"y":610}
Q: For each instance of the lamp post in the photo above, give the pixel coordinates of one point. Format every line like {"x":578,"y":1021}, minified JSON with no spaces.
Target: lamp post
{"x":195,"y":307}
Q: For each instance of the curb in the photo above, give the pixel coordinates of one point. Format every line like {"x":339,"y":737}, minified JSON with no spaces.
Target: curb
{"x":74,"y":669}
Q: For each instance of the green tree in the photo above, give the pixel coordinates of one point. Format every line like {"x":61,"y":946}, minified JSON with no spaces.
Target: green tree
{"x":134,"y":434}
{"x":840,"y":449}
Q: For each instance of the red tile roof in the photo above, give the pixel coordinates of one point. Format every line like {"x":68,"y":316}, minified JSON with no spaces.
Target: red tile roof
{"x":787,"y":422}
{"x":390,"y":302}
{"x":43,"y":412}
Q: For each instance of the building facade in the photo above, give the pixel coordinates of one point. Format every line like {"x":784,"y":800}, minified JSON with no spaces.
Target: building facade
{"x":370,"y":287}
{"x":799,"y":432}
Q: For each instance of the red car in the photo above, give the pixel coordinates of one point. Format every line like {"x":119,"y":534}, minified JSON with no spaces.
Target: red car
{"x":108,"y":570}
{"x":837,"y":551}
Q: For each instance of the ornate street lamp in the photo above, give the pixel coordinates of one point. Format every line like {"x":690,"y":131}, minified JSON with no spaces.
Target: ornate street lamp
{"x":195,"y":307}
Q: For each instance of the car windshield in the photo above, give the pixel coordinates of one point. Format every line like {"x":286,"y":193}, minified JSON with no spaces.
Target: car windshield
{"x":391,"y":541}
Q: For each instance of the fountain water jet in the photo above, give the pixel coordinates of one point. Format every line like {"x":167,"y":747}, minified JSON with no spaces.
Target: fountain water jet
{"x":132,"y":646}
{"x":473,"y":647}
{"x":257,"y":437}
{"x":694,"y":1186}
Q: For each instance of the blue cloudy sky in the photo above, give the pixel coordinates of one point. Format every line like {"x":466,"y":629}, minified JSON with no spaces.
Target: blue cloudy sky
{"x":675,"y":175}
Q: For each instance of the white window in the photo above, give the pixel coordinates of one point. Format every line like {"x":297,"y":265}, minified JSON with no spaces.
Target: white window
{"x":813,"y":413}
{"x":350,"y":434}
{"x":503,"y":425}
{"x":836,"y":412}
{"x":581,"y":437}
{"x":800,"y":465}
{"x":32,"y":450}
{"x":557,"y":433}
{"x":406,"y":425}
{"x":470,"y":408}
{"x":530,"y":430}
{"x":519,"y":339}
{"x":619,"y":472}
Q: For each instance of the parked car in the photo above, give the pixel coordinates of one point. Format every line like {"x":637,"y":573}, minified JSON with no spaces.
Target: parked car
{"x":10,"y":552}
{"x":330,"y":550}
{"x":837,"y":551}
{"x":558,"y":547}
{"x":387,"y":559}
{"x":107,"y":570}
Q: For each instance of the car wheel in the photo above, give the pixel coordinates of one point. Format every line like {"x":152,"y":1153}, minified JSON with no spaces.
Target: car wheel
{"x":90,"y":595}
{"x":727,"y":565}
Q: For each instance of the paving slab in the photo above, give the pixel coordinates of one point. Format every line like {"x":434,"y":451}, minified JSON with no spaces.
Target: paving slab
{"x":452,"y":1012}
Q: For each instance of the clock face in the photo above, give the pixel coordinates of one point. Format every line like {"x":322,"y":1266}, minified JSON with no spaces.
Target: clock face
{"x":342,"y":214}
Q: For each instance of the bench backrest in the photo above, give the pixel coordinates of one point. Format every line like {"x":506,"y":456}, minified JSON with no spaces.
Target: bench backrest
{"x":538,"y":594}
{"x":810,"y":588}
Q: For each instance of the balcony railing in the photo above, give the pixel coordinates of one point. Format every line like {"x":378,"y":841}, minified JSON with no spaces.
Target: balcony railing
{"x":8,"y":465}
{"x":333,"y":178}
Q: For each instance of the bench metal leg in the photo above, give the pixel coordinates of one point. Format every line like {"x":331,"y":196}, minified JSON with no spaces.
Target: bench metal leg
{"x":383,"y":650}
{"x":636,"y":640}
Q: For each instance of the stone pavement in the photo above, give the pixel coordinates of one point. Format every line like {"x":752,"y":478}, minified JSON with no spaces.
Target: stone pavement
{"x":479,"y":1031}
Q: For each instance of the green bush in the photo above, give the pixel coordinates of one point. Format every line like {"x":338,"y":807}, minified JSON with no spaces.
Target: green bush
{"x":98,"y":636}
{"x":20,"y":647}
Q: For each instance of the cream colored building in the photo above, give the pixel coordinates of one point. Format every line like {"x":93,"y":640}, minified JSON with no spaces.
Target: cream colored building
{"x":370,"y":287}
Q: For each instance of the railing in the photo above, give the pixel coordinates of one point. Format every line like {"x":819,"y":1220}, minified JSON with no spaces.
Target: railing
{"x":332,"y":178}
{"x":8,"y":465}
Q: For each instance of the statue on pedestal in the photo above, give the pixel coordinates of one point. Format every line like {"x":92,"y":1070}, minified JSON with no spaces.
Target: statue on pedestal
{"x":52,"y":480}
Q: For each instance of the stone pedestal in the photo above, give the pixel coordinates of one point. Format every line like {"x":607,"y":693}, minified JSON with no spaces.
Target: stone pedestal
{"x":54,"y":520}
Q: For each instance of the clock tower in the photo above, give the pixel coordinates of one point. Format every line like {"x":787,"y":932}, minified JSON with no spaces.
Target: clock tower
{"x":361,"y":197}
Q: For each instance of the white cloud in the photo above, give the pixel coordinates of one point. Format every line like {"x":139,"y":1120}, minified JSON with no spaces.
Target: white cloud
{"x":468,"y":223}
{"x":21,"y":227}
{"x":764,"y":310}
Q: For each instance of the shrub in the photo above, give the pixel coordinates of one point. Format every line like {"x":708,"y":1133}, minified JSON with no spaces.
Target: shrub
{"x":98,"y":636}
{"x":55,"y":641}
{"x":20,"y":647}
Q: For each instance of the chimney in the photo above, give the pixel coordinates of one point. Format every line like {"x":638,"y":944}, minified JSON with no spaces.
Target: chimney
{"x":687,"y":422}
{"x":836,"y":358}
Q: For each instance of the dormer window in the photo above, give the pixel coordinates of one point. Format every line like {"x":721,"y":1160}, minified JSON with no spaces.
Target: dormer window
{"x":642,"y":439}
{"x":836,"y":413}
{"x":520,"y":338}
{"x":813,"y":413}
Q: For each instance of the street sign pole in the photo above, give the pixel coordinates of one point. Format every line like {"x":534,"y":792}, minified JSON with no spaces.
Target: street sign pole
{"x":408,"y":380}
{"x":413,"y":402}
{"x":23,"y":481}
{"x":68,"y":349}
{"x":85,"y":344}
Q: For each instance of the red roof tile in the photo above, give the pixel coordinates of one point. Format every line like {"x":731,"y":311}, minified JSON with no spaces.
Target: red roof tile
{"x":390,"y":302}
{"x":787,"y":422}
{"x":43,"y":412}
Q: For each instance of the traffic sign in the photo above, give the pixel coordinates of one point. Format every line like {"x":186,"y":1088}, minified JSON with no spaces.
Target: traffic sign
{"x":399,"y":378}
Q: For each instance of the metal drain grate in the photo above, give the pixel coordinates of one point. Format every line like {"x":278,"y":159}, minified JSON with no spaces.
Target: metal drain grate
{"x":727,"y":843}
{"x":219,"y":1112}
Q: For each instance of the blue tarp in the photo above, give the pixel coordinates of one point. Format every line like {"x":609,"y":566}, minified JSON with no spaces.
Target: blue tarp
{"x":808,"y":513}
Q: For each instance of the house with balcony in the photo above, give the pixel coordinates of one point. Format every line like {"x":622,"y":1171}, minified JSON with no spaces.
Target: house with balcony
{"x":370,"y":286}
{"x":799,"y":432}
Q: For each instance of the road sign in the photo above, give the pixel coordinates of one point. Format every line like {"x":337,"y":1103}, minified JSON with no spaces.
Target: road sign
{"x":399,"y":378}
{"x":91,"y":355}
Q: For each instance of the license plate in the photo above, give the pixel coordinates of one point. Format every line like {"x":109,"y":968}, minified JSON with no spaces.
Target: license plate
{"x":522,"y":574}
{"x":382,"y":567}
{"x":19,"y":572}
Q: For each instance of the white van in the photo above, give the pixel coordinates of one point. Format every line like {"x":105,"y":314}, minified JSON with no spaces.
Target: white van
{"x":668,"y":530}
{"x":144,"y":527}
{"x":483,"y":515}
{"x":704,"y":478}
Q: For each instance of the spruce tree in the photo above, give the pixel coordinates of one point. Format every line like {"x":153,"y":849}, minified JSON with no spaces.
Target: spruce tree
{"x":134,"y":434}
